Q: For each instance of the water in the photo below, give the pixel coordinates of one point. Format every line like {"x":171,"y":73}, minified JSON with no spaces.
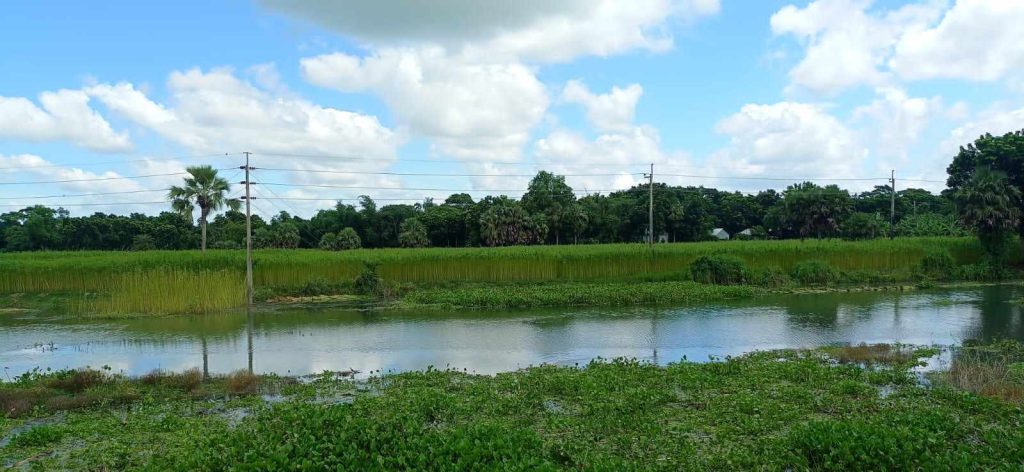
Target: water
{"x":310,"y":340}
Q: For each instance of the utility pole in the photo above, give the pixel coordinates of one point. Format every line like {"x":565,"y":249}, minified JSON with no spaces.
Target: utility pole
{"x":892,"y":206}
{"x":650,"y":207}
{"x":248,"y":236}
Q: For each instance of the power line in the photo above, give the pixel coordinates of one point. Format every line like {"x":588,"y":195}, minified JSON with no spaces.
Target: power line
{"x":446,"y":161}
{"x":90,"y":204}
{"x":97,"y":179}
{"x":420,"y":174}
{"x":91,"y":164}
{"x":786,"y":179}
{"x":39,"y":197}
{"x":281,"y":184}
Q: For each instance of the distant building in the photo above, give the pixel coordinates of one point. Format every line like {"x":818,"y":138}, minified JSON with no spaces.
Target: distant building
{"x":720,"y":233}
{"x":747,"y":232}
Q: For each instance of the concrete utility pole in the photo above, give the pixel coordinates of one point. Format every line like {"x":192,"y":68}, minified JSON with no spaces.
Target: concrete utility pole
{"x":248,"y":235}
{"x":650,"y":207}
{"x":892,"y":206}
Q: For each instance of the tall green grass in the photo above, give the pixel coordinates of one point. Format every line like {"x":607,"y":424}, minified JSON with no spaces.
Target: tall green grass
{"x":165,"y":291}
{"x":100,"y":271}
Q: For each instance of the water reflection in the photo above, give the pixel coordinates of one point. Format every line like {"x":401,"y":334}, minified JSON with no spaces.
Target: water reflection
{"x":301,"y":341}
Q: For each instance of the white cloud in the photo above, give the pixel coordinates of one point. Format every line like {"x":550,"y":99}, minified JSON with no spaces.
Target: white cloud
{"x":33,"y":168}
{"x":624,"y":155}
{"x":786,"y":139}
{"x":612,"y":111}
{"x":997,"y":120}
{"x":470,"y":110}
{"x":979,"y":40}
{"x":846,"y":45}
{"x":896,"y":120}
{"x":535,"y":30}
{"x":217,"y":112}
{"x":65,"y":116}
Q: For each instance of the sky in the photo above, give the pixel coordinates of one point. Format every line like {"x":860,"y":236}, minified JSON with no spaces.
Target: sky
{"x":102,"y":106}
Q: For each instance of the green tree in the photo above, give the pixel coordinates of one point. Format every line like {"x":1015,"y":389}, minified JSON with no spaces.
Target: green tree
{"x":349,"y":239}
{"x":510,"y":225}
{"x":413,"y":234}
{"x":990,"y":205}
{"x":998,"y":153}
{"x":203,"y":189}
{"x":549,"y":195}
{"x":864,"y":226}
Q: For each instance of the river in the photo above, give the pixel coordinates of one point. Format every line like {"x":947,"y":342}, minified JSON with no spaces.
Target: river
{"x":302,"y":341}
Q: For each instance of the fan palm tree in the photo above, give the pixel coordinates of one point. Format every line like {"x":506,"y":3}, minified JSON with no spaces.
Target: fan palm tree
{"x":991,"y":206}
{"x":203,"y":189}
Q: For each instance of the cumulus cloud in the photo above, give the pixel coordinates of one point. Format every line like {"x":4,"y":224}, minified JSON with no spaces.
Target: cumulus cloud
{"x":980,"y":40}
{"x":470,"y":110}
{"x":80,"y":182}
{"x":65,"y":115}
{"x":532,"y":30}
{"x":216,"y":112}
{"x":896,"y":120}
{"x":608,"y":112}
{"x":789,"y":139}
{"x":846,"y":44}
{"x":996,"y":120}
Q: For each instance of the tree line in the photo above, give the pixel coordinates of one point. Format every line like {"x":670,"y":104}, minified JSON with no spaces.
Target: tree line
{"x":985,"y":178}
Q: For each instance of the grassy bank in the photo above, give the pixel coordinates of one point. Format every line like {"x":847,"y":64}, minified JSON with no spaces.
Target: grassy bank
{"x":189,"y":281}
{"x":835,"y":409}
{"x":574,"y":294}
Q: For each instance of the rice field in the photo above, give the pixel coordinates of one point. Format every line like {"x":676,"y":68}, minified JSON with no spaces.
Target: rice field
{"x":135,"y":280}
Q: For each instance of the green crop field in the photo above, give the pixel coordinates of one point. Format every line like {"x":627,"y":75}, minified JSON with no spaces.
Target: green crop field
{"x":132,"y":281}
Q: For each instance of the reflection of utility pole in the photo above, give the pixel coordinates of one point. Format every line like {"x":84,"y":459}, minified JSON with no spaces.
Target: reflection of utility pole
{"x":248,"y":332}
{"x":206,"y":359}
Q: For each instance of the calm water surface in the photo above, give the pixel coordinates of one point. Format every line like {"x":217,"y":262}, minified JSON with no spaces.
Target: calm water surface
{"x":304,"y":341}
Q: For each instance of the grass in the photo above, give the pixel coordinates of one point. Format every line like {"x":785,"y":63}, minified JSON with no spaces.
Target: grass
{"x":95,"y":271}
{"x":574,"y":294}
{"x":993,"y":370}
{"x":162,"y":282}
{"x":873,"y":354}
{"x":783,"y":410}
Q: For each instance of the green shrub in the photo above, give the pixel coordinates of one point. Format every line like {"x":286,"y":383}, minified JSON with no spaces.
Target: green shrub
{"x":815,"y":273}
{"x":369,"y":282}
{"x":773,"y":277}
{"x":937,"y":264}
{"x":720,"y":270}
{"x":316,"y":287}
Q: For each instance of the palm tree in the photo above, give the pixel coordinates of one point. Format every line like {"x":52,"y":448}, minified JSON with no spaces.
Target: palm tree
{"x":990,"y":206}
{"x":205,"y":190}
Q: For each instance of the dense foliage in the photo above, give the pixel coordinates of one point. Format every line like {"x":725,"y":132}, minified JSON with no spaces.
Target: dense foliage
{"x":844,"y":408}
{"x":548,"y":214}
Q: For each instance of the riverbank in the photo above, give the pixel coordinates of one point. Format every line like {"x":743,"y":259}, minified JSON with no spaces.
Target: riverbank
{"x":157,"y":283}
{"x":829,"y":409}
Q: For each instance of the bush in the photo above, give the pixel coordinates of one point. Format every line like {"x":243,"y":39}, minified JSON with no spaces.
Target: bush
{"x":316,"y":287}
{"x":720,"y":270}
{"x":329,"y":242}
{"x":348,"y":239}
{"x":77,"y":381}
{"x":815,"y":273}
{"x":937,"y":265}
{"x":773,"y":277}
{"x":369,"y":282}
{"x":242,"y":382}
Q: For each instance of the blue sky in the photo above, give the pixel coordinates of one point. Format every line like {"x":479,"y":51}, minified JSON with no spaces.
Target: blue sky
{"x":714,"y":92}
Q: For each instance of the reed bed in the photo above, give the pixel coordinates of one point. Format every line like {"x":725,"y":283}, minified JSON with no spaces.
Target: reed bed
{"x":164,"y":291}
{"x":99,"y":271}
